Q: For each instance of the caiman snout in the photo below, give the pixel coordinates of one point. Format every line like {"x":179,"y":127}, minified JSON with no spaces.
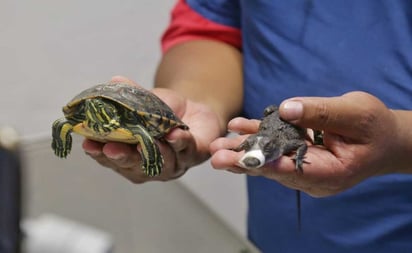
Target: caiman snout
{"x":252,"y":159}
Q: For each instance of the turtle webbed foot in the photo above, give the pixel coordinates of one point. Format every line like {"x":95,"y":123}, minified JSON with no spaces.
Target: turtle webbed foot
{"x":62,"y":139}
{"x":60,"y":149}
{"x":152,"y":169}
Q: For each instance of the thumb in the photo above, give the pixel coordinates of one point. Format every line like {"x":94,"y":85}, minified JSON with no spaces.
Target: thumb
{"x":349,"y":115}
{"x":122,"y":79}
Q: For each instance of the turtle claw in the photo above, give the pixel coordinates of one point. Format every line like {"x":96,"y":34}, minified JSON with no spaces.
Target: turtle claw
{"x":62,"y":139}
{"x":60,"y":150}
{"x":152,"y":170}
{"x":152,"y":159}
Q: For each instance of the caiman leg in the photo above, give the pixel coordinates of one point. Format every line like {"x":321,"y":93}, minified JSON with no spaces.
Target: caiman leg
{"x":62,"y":139}
{"x":151,"y":157}
{"x":299,"y":157}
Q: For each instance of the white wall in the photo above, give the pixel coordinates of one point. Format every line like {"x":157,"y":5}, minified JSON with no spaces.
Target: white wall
{"x":50,"y":50}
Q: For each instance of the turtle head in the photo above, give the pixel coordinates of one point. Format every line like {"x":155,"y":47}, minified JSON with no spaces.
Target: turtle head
{"x":101,"y":115}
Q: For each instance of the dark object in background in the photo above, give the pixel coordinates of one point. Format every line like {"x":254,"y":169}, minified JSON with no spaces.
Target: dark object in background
{"x":10,"y":191}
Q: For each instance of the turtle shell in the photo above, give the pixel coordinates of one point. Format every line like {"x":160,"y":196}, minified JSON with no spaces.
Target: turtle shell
{"x":158,"y":117}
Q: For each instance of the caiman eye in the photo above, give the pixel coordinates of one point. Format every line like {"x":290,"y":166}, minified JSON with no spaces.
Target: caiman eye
{"x":268,"y":148}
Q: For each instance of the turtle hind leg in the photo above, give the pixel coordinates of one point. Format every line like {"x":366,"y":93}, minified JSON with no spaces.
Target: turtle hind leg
{"x":62,"y":139}
{"x":152,"y":159}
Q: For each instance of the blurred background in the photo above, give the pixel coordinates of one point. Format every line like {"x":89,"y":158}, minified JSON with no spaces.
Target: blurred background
{"x":51,"y":50}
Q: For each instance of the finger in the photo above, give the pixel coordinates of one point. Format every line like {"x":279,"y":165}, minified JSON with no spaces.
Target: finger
{"x":323,"y":174}
{"x":92,"y":148}
{"x":343,"y":115}
{"x":180,"y":140}
{"x":229,"y":160}
{"x":122,"y":79}
{"x":120,"y":161}
{"x":243,"y":126}
{"x":226,"y":143}
{"x":225,"y":159}
{"x":95,"y":151}
{"x":100,"y":158}
{"x":122,"y":155}
{"x":112,"y":154}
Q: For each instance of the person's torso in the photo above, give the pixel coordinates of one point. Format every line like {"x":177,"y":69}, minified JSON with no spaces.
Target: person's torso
{"x":327,"y":48}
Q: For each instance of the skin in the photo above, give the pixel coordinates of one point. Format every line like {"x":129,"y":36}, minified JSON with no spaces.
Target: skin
{"x":361,"y":140}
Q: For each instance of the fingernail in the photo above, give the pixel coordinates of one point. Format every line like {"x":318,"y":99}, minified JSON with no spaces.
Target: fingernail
{"x":292,"y":110}
{"x":233,"y":131}
{"x":178,"y":144}
{"x":116,"y":157}
{"x":93,"y":153}
{"x":170,"y":140}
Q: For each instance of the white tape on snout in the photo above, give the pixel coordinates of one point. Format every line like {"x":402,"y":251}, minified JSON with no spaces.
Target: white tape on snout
{"x":255,"y":153}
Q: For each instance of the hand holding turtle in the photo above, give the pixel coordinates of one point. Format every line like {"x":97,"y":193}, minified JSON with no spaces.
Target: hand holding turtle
{"x":361,"y":140}
{"x":180,"y":149}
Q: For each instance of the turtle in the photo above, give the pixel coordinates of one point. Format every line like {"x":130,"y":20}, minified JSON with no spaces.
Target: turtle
{"x":117,"y":112}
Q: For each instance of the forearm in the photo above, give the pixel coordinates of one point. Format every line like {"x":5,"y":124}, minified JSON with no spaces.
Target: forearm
{"x":403,"y":151}
{"x":206,"y":72}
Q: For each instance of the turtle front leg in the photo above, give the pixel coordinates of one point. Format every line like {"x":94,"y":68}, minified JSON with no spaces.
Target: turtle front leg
{"x":62,"y":139}
{"x":151,"y":157}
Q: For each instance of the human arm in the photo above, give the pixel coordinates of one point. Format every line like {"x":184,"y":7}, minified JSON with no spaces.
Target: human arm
{"x":206,"y":72}
{"x":361,"y":140}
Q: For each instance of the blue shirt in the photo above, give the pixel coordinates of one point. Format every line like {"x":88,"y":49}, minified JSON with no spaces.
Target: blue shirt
{"x":324,"y":48}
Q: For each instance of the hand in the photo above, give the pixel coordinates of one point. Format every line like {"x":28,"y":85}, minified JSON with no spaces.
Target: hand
{"x":181,"y":150}
{"x":361,"y":140}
